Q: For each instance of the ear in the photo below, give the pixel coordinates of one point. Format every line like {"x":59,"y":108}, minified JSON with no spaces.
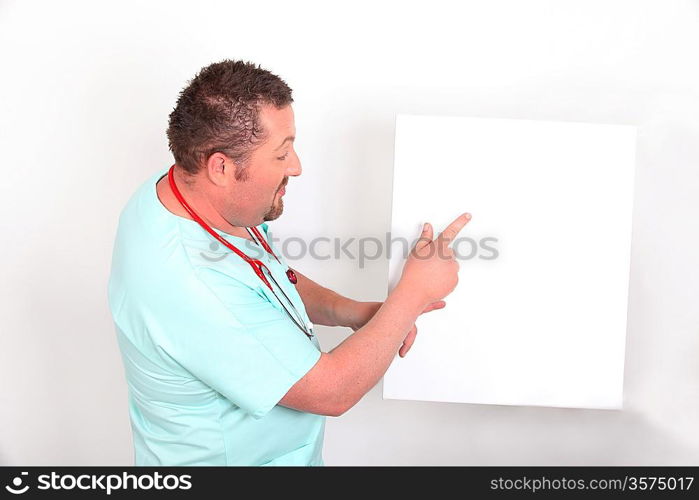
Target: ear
{"x":220,"y":169}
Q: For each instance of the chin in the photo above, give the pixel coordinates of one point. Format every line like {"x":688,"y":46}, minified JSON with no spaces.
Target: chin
{"x":275,"y":212}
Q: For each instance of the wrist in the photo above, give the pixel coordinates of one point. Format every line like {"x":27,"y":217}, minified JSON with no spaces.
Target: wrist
{"x":344,"y":311}
{"x":357,"y":313}
{"x":407,"y":295}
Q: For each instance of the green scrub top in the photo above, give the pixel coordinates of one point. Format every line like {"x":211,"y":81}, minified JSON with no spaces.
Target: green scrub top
{"x":207,"y":350}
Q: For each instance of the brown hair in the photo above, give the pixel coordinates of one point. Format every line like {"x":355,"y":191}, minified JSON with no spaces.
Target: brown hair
{"x":219,"y":111}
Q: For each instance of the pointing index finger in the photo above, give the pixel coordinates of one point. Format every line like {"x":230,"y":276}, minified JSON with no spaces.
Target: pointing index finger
{"x":453,"y":229}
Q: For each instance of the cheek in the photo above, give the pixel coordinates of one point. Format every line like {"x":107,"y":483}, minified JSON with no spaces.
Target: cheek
{"x":263,"y":192}
{"x":260,"y":192}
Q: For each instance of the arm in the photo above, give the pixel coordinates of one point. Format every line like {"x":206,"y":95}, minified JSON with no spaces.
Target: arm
{"x":341,"y":377}
{"x":326,"y":307}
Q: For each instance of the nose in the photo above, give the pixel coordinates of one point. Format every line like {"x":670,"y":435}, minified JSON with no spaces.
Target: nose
{"x":294,"y":168}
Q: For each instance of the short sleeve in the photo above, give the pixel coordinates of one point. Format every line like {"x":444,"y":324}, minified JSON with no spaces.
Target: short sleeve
{"x":233,"y":339}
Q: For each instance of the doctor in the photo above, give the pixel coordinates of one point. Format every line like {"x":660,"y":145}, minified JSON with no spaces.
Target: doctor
{"x":215,"y":330}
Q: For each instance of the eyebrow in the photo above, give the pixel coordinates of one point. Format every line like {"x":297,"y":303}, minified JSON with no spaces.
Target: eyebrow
{"x":290,"y":138}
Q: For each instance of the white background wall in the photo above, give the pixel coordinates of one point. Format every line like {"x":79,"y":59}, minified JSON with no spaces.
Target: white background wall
{"x":85,"y":91}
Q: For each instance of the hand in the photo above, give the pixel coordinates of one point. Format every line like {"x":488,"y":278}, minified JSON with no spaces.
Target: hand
{"x":410,"y":338}
{"x":431,"y":271}
{"x":364,"y":311}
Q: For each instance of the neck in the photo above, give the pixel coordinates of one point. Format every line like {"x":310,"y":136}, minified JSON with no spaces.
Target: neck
{"x":197,"y":202}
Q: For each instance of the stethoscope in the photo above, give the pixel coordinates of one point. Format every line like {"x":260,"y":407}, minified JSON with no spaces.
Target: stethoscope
{"x":256,"y":265}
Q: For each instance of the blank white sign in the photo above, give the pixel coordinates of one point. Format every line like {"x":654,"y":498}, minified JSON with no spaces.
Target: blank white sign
{"x":539,"y":315}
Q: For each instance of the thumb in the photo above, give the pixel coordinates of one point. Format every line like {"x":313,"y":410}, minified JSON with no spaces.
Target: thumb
{"x":440,"y":304}
{"x":425,"y":237}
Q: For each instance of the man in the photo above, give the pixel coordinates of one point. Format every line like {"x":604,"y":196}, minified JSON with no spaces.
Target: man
{"x":219,"y":372}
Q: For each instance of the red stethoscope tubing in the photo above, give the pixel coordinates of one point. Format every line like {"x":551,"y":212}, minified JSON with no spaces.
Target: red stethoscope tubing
{"x":254,"y":263}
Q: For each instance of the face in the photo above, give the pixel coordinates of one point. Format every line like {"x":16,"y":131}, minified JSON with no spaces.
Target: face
{"x":258,"y":197}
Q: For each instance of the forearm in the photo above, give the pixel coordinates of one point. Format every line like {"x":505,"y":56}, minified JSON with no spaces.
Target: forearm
{"x":362,"y":359}
{"x":324,"y":306}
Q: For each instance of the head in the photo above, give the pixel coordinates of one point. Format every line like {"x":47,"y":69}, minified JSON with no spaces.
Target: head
{"x":232,"y":135}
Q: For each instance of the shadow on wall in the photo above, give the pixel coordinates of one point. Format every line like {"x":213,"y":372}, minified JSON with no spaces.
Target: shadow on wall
{"x":465,"y":434}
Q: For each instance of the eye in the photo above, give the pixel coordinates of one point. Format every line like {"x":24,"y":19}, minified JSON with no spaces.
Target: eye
{"x":283,"y":157}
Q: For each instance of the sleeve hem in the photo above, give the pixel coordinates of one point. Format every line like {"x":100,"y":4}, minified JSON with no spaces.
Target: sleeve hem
{"x":276,"y":395}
